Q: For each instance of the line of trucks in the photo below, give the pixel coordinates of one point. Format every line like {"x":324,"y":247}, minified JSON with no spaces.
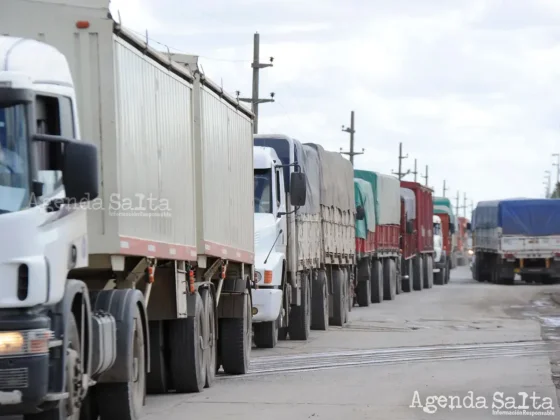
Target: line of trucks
{"x":149,"y":237}
{"x":516,"y":236}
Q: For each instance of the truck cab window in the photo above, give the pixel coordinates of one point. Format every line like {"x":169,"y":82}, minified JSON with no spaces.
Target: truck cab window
{"x":55,"y":117}
{"x":263,"y":191}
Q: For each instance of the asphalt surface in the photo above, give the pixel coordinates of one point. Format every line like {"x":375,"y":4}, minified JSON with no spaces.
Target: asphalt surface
{"x":454,"y":341}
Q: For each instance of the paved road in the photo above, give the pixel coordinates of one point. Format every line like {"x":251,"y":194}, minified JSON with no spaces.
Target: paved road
{"x":446,"y":341}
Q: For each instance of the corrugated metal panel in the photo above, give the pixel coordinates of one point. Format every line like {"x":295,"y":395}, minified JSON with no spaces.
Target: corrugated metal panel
{"x":155,"y":159}
{"x":227,"y":140}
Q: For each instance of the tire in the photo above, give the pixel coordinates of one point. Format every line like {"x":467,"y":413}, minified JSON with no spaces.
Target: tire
{"x":338,"y":298}
{"x":439,"y":277}
{"x":418,"y":277}
{"x":72,"y":359}
{"x":428,"y":272}
{"x":300,"y":316}
{"x":448,"y":273}
{"x":210,"y":336}
{"x":124,"y":401}
{"x":376,"y":281}
{"x":320,"y":302}
{"x":389,"y":279}
{"x":266,"y":334}
{"x":235,"y":341}
{"x":186,"y":346}
{"x":345,"y":295}
{"x":363,"y":292}
{"x":157,"y":381}
{"x":407,"y":285}
{"x":350,"y":286}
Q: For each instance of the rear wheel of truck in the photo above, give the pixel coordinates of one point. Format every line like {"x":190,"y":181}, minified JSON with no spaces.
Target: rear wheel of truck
{"x":418,"y":268}
{"x":300,"y":316}
{"x":345,"y":294}
{"x":407,"y":284}
{"x":186,"y":346}
{"x":439,"y":277}
{"x":320,"y":302}
{"x":363,"y":291}
{"x":448,"y":272}
{"x":124,"y":401}
{"x":157,"y":381}
{"x":389,"y":279}
{"x":236,"y":341}
{"x":376,"y":281}
{"x":428,"y":272}
{"x":71,"y":369}
{"x":337,"y":298}
{"x":210,"y":342}
{"x":350,"y":287}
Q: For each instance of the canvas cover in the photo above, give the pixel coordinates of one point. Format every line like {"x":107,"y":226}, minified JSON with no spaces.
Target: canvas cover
{"x":386,"y":191}
{"x":337,"y":178}
{"x":538,"y":217}
{"x":409,"y":203}
{"x":363,"y":194}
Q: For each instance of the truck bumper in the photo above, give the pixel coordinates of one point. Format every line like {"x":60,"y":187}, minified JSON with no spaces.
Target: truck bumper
{"x":267,"y":303}
{"x":24,"y":377}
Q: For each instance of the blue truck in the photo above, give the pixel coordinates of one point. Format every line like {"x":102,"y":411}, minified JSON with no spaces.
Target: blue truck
{"x":516,"y":236}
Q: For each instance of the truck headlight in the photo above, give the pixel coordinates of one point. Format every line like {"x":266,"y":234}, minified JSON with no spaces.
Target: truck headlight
{"x":470,"y":252}
{"x":20,"y":343}
{"x":258,"y":277}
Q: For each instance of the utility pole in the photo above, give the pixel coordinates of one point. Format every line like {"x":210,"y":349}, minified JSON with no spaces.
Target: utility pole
{"x":557,"y":164}
{"x":257,"y":66}
{"x":415,"y":172}
{"x":400,"y":173}
{"x":351,"y":130}
{"x":444,"y":188}
{"x":425,"y":176}
{"x":546,"y":183}
{"x":472,"y":207}
{"x":465,"y":205}
{"x":457,"y":205}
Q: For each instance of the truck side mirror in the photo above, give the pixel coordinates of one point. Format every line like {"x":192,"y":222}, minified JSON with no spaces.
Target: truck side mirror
{"x":451,"y":228}
{"x":409,"y":226}
{"x":80,"y":171}
{"x":360,"y":213}
{"x":298,"y":189}
{"x":469,"y":227}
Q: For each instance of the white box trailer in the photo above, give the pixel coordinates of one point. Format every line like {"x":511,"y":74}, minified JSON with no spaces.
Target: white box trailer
{"x":176,"y":187}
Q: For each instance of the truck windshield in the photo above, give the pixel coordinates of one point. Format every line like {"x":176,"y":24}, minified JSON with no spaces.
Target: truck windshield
{"x":437,"y":229}
{"x":263,"y":191}
{"x":14,"y":159}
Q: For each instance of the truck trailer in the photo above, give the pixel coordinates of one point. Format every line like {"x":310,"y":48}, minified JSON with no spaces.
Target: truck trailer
{"x":321,"y":252}
{"x":385,"y":262}
{"x":444,"y":210}
{"x":146,"y":286}
{"x":517,"y":236}
{"x":422,"y":238}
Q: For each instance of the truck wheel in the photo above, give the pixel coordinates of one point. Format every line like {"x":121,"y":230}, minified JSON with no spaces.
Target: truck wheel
{"x":363,"y":291}
{"x":389,"y":279}
{"x":407,"y":284}
{"x":300,"y":316}
{"x":209,"y":334}
{"x":266,"y":334}
{"x":428,"y":272}
{"x":157,"y":381}
{"x":418,"y":276}
{"x":320,"y":302}
{"x":345,"y":293}
{"x":186,"y":338}
{"x":235,"y":341}
{"x":337,"y":298}
{"x":72,"y":367}
{"x":124,"y":401}
{"x":448,"y":272}
{"x":376,"y":281}
{"x":350,"y":287}
{"x":439,"y":277}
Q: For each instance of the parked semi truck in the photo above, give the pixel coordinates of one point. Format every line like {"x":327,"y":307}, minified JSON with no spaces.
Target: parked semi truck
{"x":149,"y":285}
{"x":517,"y":236}
{"x":422,"y":238}
{"x":321,"y":261}
{"x":385,"y":261}
{"x":444,"y":210}
{"x":278,"y":309}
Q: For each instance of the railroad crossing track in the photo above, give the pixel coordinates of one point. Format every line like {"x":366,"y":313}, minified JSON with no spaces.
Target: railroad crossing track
{"x":333,"y":360}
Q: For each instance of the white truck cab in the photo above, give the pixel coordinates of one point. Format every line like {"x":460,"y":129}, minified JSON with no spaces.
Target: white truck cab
{"x":272,"y":297}
{"x":438,"y":243}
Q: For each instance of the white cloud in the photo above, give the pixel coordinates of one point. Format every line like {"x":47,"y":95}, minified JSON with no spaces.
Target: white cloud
{"x":470,"y":88}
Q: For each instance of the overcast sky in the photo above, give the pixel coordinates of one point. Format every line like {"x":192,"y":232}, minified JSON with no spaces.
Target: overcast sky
{"x":470,"y":87}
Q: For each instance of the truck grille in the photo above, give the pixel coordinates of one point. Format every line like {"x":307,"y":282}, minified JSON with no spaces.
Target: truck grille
{"x":14,"y":378}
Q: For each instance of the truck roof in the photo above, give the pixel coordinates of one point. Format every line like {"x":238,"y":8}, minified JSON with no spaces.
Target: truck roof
{"x":264,"y":157}
{"x":42,"y":63}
